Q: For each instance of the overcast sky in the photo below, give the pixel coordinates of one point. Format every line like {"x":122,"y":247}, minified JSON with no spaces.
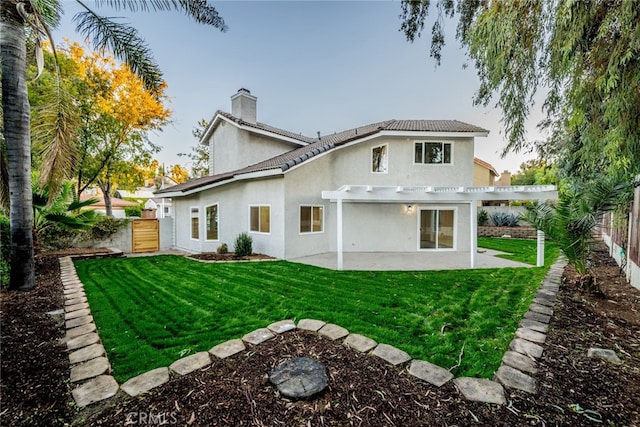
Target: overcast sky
{"x":313,"y":65}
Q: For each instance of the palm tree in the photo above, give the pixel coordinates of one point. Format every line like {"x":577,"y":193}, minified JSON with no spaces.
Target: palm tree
{"x":125,"y":44}
{"x":571,"y":223}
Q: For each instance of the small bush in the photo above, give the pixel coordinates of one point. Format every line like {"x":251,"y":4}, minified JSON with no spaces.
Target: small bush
{"x":243,"y":245}
{"x":483,"y":217}
{"x":503,"y":219}
{"x":103,"y":229}
{"x":133,"y":211}
{"x":56,"y":236}
{"x":222,"y":249}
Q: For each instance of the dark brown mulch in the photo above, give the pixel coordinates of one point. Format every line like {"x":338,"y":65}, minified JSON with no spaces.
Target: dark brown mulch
{"x":229,"y":256}
{"x":363,"y":390}
{"x":34,"y":390}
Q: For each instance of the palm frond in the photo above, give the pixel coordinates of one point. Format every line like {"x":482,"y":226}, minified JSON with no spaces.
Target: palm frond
{"x":79,"y":204}
{"x":123,"y":41}
{"x":53,"y":131}
{"x":48,"y":11}
{"x":200,"y":10}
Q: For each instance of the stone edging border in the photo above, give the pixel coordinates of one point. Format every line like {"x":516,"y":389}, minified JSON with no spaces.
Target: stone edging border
{"x":91,"y":369}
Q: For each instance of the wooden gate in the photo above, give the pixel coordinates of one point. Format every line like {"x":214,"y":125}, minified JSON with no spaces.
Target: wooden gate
{"x":145,"y":235}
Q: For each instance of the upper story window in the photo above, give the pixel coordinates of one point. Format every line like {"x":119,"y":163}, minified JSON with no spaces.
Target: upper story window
{"x":432,"y":152}
{"x":311,"y":219}
{"x":380,"y":159}
{"x":260,"y":219}
{"x":195,"y":223}
{"x":211,"y":214}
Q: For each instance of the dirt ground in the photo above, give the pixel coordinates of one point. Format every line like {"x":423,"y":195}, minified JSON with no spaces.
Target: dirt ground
{"x":362,"y":391}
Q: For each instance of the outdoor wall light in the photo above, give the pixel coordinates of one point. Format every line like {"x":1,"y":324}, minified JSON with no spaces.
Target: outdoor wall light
{"x":409,"y":208}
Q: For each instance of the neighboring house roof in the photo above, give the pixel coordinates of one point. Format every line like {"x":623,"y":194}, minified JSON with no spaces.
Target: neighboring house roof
{"x":115,"y":202}
{"x":322,"y":144}
{"x":485,"y":165}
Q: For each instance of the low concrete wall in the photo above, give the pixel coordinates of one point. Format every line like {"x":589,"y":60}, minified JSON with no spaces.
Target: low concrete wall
{"x":122,"y":239}
{"x":514,"y":232}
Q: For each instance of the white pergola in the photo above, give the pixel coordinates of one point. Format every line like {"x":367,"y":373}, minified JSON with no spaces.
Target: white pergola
{"x":417,"y":195}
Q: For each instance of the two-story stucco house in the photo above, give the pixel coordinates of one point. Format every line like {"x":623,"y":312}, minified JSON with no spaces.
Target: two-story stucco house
{"x":394,"y":186}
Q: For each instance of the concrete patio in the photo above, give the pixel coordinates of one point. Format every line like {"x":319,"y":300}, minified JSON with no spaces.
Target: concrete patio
{"x":409,"y":261}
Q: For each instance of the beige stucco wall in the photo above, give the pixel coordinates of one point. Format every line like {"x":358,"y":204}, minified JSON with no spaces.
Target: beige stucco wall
{"x":482,"y":176}
{"x":231,"y":148}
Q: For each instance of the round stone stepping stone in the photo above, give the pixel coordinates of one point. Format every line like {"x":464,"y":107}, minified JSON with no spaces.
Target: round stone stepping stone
{"x":299,"y":378}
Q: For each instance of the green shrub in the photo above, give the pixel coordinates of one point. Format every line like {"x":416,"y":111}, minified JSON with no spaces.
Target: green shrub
{"x":483,"y":217}
{"x":243,"y":245}
{"x":57,"y":236}
{"x":104,"y":228}
{"x":133,"y":211}
{"x":222,"y":249}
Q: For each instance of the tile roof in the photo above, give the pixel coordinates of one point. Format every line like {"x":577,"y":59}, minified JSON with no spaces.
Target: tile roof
{"x":486,"y":165}
{"x":324,"y":143}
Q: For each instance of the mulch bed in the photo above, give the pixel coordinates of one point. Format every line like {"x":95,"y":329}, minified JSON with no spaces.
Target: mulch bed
{"x":229,"y":256}
{"x":363,"y":390}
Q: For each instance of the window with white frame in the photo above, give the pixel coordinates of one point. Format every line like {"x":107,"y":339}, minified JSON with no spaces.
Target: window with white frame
{"x":260,"y":218}
{"x":211,"y":218}
{"x":311,"y":219}
{"x":379,"y":159}
{"x":195,"y":223}
{"x":432,"y":153}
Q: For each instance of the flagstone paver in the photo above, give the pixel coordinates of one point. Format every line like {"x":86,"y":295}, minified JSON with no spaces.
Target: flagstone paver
{"x":73,"y":301}
{"x":282,"y":326}
{"x":191,"y":363}
{"x":311,"y":324}
{"x":526,"y":347}
{"x":99,"y":388}
{"x":258,"y":336}
{"x":391,"y":354}
{"x":80,"y":330}
{"x":74,"y":307}
{"x":86,"y":353}
{"x":539,"y":308}
{"x":360,"y":343}
{"x":534,"y":325}
{"x":520,"y":361}
{"x":481,"y":390}
{"x":78,"y":321}
{"x":90,"y":369}
{"x":77,"y":313}
{"x":83,"y":341}
{"x":333,"y":332}
{"x":538,"y":317}
{"x":430,"y":373}
{"x":145,"y":382}
{"x":513,"y":378}
{"x":227,"y":349}
{"x":604,"y":354}
{"x":531,"y":335}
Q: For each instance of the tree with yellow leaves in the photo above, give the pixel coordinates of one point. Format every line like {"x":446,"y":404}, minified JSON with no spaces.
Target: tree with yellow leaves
{"x":116,"y":114}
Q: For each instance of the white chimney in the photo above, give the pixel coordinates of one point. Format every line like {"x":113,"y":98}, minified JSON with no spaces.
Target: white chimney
{"x":243,"y":105}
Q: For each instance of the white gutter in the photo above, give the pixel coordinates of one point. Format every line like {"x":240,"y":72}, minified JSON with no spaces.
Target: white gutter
{"x":242,"y":177}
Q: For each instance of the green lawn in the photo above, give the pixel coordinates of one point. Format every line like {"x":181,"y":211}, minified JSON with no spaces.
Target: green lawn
{"x":151,"y":311}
